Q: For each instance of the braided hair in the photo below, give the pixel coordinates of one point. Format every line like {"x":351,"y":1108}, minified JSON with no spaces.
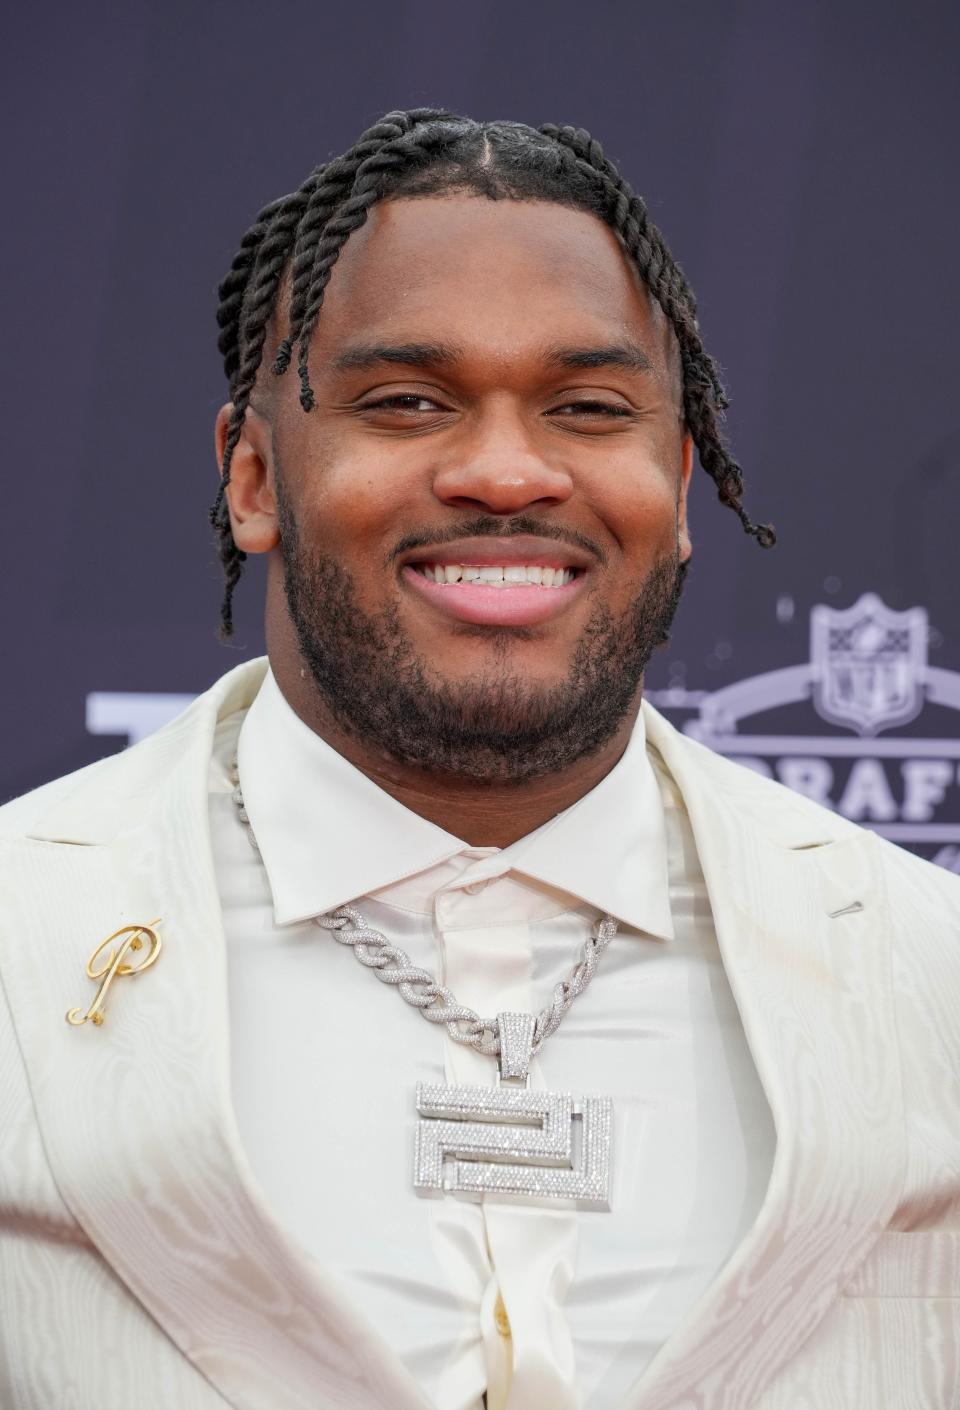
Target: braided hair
{"x":422,"y":152}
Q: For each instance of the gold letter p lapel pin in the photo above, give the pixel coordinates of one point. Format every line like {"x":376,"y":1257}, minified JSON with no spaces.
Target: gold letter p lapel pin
{"x":106,"y":970}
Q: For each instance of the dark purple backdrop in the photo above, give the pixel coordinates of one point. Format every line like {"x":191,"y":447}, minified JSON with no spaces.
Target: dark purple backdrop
{"x":801,"y":161}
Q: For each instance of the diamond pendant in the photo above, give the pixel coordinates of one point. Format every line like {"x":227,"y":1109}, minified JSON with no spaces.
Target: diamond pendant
{"x":510,"y":1143}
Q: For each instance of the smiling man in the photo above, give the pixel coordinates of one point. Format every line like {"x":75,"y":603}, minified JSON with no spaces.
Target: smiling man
{"x":683,"y":1125}
{"x":478,"y":533}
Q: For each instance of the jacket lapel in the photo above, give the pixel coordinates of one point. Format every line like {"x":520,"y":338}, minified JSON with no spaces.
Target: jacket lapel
{"x":136,"y":1114}
{"x":805,"y":947}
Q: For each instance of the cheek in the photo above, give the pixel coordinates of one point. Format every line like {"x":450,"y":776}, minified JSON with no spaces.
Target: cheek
{"x":640,"y":511}
{"x":345,"y":499}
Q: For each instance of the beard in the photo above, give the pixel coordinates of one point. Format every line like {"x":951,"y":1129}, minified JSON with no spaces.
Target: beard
{"x":495,"y":726}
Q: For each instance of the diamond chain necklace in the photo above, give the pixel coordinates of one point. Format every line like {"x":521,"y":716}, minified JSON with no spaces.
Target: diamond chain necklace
{"x":507,"y":1142}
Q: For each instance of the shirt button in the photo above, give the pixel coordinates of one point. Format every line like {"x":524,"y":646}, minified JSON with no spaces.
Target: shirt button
{"x":475,"y":887}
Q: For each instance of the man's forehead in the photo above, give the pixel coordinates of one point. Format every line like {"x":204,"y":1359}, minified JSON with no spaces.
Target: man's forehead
{"x":415,"y":250}
{"x":464,"y":271}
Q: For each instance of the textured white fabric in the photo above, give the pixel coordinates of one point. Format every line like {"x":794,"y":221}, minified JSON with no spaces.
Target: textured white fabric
{"x":324,"y":1061}
{"x":140,"y":1264}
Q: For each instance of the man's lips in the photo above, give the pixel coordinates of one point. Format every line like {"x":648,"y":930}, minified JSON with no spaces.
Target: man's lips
{"x":512,"y":605}
{"x":506,"y":602}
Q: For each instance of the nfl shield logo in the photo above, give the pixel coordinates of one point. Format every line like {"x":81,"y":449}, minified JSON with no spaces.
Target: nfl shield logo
{"x":868,"y":664}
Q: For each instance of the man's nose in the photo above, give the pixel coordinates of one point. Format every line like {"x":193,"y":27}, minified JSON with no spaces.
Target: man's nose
{"x":500,"y":469}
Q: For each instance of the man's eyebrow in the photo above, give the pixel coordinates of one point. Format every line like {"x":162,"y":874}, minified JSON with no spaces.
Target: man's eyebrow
{"x":629,"y":355}
{"x":361,"y":357}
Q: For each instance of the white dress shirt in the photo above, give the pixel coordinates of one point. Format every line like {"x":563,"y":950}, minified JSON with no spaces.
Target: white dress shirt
{"x":325,"y":1061}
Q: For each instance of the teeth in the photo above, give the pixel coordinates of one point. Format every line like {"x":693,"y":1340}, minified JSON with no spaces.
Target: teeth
{"x":509,"y":575}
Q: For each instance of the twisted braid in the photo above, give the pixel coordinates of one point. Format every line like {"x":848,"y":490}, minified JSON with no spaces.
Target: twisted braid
{"x":234,"y":286}
{"x":321,"y":205}
{"x":589,"y":150}
{"x":247,"y":296}
{"x":388,"y":148}
{"x":426,"y":151}
{"x":338,"y":180}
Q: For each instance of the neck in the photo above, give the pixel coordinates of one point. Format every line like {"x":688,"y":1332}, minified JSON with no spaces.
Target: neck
{"x":482,"y":814}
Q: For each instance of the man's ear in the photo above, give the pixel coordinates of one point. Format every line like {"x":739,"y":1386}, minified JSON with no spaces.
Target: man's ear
{"x":686,"y":467}
{"x":250,"y":492}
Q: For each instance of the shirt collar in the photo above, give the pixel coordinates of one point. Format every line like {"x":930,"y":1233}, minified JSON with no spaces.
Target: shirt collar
{"x":328,"y":835}
{"x":609,"y":848}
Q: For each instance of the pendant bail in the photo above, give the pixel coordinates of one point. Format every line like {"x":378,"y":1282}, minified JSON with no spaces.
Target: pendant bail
{"x":516,"y":1042}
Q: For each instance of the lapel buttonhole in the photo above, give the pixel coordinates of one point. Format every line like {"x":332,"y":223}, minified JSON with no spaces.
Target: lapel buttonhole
{"x":846,"y":910}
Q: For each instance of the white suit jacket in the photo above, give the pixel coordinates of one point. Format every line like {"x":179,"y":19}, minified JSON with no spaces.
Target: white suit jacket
{"x":139,"y":1264}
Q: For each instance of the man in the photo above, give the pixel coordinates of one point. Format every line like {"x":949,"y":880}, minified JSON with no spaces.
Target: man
{"x":245,"y":1174}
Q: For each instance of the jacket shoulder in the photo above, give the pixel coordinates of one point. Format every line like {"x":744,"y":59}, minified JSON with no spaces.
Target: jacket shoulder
{"x":739,"y":786}
{"x":789,"y":815}
{"x":19,"y":815}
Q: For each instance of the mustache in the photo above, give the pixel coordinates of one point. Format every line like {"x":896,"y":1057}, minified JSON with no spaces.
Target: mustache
{"x":491,"y":526}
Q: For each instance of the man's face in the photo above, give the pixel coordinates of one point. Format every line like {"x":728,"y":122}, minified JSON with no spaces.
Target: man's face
{"x":494,"y":390}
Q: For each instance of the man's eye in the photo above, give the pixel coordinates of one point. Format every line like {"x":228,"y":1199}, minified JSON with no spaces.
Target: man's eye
{"x":591,"y":408}
{"x":403,"y":401}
